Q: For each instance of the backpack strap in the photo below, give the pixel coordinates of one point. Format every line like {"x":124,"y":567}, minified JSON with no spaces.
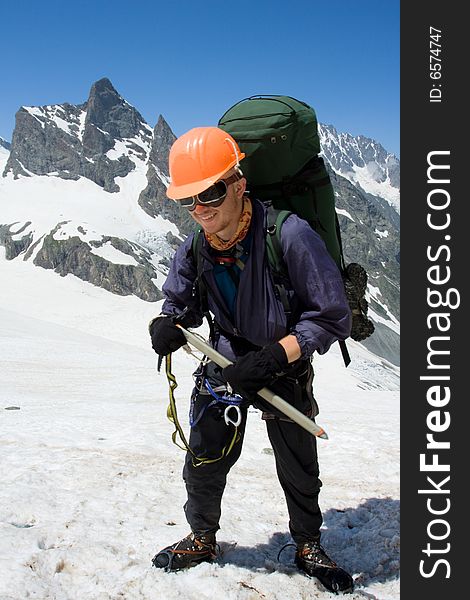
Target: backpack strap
{"x":344,"y":352}
{"x":275,"y":219}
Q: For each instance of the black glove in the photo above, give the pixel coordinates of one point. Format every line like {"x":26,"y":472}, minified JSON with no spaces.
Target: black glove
{"x":256,"y":370}
{"x":166,"y":337}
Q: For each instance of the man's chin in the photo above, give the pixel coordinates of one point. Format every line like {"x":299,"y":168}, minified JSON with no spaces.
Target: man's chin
{"x":211,"y":227}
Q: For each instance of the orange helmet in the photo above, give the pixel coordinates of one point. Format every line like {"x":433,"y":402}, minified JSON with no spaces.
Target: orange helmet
{"x":198,"y":159}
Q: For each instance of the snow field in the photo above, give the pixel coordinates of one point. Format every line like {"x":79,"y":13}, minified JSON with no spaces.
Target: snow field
{"x":91,"y":482}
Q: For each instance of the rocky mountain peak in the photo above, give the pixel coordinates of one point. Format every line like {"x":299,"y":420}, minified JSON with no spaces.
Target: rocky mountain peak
{"x":364,"y":162}
{"x":107,"y":110}
{"x":163,"y":138}
{"x":103,"y":87}
{"x":101,"y":139}
{"x":4,"y":144}
{"x":153,"y":199}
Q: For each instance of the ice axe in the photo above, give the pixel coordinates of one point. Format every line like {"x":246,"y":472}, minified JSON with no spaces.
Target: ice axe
{"x":266,"y":394}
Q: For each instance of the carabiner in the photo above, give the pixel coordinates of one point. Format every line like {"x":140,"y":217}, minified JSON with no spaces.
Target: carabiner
{"x":228,"y":420}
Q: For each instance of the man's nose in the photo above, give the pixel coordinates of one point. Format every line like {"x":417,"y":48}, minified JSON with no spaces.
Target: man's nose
{"x":199,"y":209}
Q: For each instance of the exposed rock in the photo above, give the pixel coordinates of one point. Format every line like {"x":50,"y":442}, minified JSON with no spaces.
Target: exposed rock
{"x":108,"y":112}
{"x":14,"y":247}
{"x":163,"y":139}
{"x":103,"y":171}
{"x":384,"y":342}
{"x":153,"y":198}
{"x":73,"y":255}
{"x":72,"y":141}
{"x":40,"y":147}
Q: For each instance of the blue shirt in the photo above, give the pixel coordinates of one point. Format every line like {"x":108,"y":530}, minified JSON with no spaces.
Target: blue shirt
{"x":227,"y":274}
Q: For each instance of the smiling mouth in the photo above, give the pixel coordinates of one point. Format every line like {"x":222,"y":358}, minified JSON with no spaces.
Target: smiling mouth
{"x":208,"y":217}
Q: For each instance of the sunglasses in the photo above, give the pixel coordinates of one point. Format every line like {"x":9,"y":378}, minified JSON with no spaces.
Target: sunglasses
{"x":213,"y":196}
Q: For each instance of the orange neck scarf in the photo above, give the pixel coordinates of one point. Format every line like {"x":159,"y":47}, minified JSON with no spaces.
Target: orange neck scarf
{"x":243,"y":225}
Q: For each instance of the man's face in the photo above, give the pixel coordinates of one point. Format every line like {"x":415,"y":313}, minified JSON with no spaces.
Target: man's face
{"x":224,"y":219}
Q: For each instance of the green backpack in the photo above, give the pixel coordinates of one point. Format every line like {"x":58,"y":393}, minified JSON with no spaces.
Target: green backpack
{"x":279,"y":137}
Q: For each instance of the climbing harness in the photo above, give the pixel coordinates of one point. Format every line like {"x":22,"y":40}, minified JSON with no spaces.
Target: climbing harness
{"x":232,"y":402}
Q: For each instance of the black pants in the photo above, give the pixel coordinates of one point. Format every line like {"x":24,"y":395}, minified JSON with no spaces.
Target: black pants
{"x":294,"y":449}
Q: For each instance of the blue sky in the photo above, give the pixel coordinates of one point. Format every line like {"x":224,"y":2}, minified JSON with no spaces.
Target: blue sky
{"x":190,"y":61}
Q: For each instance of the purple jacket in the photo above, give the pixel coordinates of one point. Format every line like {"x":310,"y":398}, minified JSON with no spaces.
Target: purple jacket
{"x":323,"y":315}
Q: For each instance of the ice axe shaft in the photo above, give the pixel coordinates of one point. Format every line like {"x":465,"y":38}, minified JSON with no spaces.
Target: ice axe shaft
{"x":266,"y":394}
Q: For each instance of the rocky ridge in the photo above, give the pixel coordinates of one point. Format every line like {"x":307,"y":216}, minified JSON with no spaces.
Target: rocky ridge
{"x":364,"y":162}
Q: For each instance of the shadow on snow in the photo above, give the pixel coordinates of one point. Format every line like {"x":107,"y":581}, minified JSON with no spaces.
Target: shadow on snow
{"x":363,"y":540}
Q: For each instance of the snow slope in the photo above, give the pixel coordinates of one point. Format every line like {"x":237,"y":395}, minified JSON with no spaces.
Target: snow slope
{"x":91,"y":482}
{"x":81,"y":208}
{"x":366,"y":178}
{"x":4,"y":154}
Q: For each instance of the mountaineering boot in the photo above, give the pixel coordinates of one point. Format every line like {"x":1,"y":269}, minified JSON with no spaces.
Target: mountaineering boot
{"x":313,"y":560}
{"x":189,"y":552}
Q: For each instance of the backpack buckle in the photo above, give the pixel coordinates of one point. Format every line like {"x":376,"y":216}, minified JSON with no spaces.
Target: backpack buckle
{"x":272,"y":229}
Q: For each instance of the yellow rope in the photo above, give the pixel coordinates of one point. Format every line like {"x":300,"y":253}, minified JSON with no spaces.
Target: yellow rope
{"x":173,"y":417}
